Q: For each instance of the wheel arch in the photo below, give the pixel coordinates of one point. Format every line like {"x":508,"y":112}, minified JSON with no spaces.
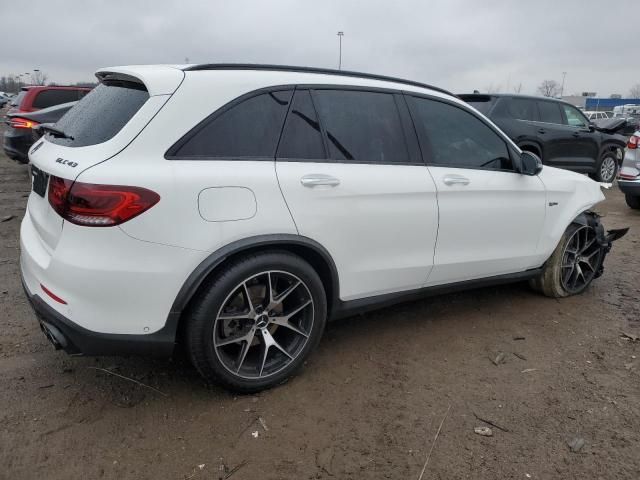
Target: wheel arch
{"x":613,"y":147}
{"x":309,"y":250}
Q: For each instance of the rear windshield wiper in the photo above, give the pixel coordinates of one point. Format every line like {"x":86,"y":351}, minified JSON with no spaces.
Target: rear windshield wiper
{"x":51,"y":128}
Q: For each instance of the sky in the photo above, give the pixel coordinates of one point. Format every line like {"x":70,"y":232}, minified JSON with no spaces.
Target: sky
{"x":459,"y":45}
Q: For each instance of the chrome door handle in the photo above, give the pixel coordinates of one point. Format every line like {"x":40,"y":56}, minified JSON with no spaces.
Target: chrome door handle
{"x":319,"y":179}
{"x":455,"y":180}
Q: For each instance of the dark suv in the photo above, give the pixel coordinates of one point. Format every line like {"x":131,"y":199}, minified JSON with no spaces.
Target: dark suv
{"x":559,"y":133}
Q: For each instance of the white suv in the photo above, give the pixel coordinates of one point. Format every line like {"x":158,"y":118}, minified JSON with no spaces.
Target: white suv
{"x":236,"y":208}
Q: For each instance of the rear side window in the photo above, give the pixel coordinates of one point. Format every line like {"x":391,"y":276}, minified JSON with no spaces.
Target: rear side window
{"x":49,"y":98}
{"x":550,"y":112}
{"x":101,"y":114}
{"x":522,"y":109}
{"x":301,"y":137}
{"x":362,"y":126}
{"x":250,"y":128}
{"x":453,"y":137}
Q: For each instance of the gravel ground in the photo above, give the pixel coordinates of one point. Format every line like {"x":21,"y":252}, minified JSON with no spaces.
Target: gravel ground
{"x":369,"y":401}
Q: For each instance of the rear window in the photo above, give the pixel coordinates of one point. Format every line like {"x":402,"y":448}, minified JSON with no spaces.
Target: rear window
{"x":17,"y":100}
{"x":101,"y":114}
{"x":49,"y":98}
{"x":482,"y":103}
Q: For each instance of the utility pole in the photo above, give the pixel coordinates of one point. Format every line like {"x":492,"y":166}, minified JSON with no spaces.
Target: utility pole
{"x":340,"y":35}
{"x":564,"y":74}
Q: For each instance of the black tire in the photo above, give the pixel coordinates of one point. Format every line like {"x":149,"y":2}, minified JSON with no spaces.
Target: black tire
{"x":552,"y":281}
{"x":633,"y":201}
{"x":607,"y":168}
{"x":227,"y":286}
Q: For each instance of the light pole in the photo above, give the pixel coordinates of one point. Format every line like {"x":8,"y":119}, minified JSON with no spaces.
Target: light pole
{"x":564,"y":74}
{"x":340,"y":35}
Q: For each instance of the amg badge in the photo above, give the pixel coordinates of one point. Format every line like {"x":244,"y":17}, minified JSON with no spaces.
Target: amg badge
{"x":66,"y":162}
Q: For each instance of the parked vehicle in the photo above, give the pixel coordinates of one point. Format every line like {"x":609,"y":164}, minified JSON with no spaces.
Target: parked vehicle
{"x":34,"y":98}
{"x":627,"y":110}
{"x":593,"y":115}
{"x":629,"y":177}
{"x":21,"y":132}
{"x":556,"y":131}
{"x":236,"y":208}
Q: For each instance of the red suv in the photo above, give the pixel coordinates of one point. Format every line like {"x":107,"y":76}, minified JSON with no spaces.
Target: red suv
{"x":34,"y":98}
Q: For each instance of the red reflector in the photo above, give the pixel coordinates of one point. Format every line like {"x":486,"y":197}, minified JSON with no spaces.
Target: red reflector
{"x":633,"y":142}
{"x":22,"y":123}
{"x":52,"y":295}
{"x":94,"y":205}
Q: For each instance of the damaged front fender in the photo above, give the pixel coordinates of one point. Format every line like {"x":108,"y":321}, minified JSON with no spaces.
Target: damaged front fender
{"x":605,"y":240}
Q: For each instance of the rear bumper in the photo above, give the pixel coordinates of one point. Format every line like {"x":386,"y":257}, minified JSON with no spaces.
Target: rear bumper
{"x":630,"y":187}
{"x":17,"y":146}
{"x":76,"y":340}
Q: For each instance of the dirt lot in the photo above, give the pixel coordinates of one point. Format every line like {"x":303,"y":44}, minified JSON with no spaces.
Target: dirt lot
{"x":369,"y":401}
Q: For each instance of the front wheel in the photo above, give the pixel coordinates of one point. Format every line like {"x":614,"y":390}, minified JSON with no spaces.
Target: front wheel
{"x":257,"y":321}
{"x":607,"y":168}
{"x":575,"y":262}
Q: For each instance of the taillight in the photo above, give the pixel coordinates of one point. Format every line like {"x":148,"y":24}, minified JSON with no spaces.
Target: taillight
{"x":633,"y":142}
{"x":94,"y":205}
{"x":18,"y":122}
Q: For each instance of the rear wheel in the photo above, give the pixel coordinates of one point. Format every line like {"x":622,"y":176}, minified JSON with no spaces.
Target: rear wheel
{"x":573,"y":265}
{"x":633,"y":201}
{"x":607,"y":168}
{"x":257,"y":321}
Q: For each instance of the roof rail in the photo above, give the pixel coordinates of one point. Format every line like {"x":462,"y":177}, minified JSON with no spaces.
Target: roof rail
{"x":328,"y":71}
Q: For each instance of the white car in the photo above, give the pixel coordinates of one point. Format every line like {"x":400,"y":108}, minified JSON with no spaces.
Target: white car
{"x":594,"y":115}
{"x":236,"y":208}
{"x":629,"y":175}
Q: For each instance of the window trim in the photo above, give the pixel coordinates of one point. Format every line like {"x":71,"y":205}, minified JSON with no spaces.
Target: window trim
{"x":171,"y":153}
{"x":513,"y":154}
{"x":415,"y":157}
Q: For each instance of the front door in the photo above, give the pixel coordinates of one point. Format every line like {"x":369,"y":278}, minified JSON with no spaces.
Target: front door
{"x":490,"y":215}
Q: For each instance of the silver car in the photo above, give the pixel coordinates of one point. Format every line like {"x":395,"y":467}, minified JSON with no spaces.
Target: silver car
{"x":629,"y":175}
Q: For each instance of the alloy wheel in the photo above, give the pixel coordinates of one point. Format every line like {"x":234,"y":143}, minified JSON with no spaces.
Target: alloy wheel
{"x":263,"y":324}
{"x":580,"y":259}
{"x":607,"y":169}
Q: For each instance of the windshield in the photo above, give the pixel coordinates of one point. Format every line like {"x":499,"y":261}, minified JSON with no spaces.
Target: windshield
{"x":101,"y":114}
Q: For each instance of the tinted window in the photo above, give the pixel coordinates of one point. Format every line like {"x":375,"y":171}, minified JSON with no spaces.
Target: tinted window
{"x":574,"y":117}
{"x":301,"y":137}
{"x":522,"y":109}
{"x":49,"y":98}
{"x":248,"y":129}
{"x":451,"y":136}
{"x":362,"y":126}
{"x":101,"y":114}
{"x":550,"y":112}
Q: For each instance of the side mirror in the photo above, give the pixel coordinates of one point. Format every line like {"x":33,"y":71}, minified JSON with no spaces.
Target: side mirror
{"x":530,"y":164}
{"x":591,"y":127}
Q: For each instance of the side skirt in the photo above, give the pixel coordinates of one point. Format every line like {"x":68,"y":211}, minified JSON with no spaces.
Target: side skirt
{"x":363,"y":305}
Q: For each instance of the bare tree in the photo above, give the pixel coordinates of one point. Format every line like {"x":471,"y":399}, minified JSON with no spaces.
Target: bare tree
{"x":39,"y":78}
{"x":517,"y":88}
{"x":549,"y":88}
{"x":491,"y":88}
{"x":634,"y":92}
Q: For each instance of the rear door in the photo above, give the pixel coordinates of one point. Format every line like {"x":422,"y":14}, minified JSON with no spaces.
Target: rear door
{"x":490,"y":215}
{"x":555,"y":136}
{"x":349,"y":167}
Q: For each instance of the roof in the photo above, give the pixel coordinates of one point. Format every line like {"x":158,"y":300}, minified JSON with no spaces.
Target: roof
{"x":514,"y":95}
